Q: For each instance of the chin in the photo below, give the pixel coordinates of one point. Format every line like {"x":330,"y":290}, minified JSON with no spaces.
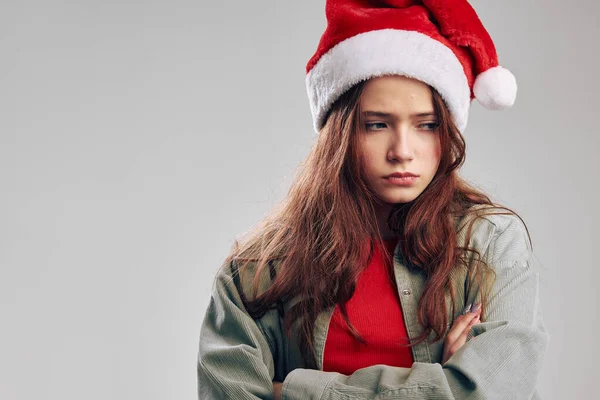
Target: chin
{"x":399,"y":199}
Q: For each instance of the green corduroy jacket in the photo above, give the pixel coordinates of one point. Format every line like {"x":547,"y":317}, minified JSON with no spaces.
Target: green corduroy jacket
{"x":239,"y":357}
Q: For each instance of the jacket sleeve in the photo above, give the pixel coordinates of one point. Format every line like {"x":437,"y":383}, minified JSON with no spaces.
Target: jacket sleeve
{"x":502,"y":360}
{"x":234,"y":357}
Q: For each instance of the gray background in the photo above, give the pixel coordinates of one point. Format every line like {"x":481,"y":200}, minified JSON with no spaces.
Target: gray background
{"x":137,"y":139}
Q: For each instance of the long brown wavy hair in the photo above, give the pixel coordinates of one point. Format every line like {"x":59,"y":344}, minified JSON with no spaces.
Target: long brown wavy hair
{"x":317,"y":233}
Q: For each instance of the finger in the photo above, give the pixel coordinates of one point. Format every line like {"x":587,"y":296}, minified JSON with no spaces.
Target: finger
{"x":462,"y":339}
{"x":462,"y":321}
{"x":471,"y":308}
{"x":459,"y":325}
{"x":466,"y":309}
{"x":457,"y":342}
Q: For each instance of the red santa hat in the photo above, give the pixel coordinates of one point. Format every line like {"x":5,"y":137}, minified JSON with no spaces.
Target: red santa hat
{"x":439,"y":42}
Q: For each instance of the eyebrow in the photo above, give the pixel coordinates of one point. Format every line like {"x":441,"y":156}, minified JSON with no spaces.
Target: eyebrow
{"x":390,"y":115}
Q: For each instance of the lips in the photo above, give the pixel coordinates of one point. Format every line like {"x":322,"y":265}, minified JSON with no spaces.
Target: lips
{"x":401,"y":175}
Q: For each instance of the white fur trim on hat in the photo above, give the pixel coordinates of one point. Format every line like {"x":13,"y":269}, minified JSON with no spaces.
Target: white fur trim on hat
{"x":387,"y":52}
{"x":495,"y":88}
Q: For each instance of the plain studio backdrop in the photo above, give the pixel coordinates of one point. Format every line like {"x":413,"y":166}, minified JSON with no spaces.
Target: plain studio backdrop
{"x":139,"y":138}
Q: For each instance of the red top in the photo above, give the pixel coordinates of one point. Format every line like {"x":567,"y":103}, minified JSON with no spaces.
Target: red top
{"x":375,"y":311}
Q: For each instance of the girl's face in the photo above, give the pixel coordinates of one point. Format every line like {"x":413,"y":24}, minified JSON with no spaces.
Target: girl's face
{"x":399,"y":134}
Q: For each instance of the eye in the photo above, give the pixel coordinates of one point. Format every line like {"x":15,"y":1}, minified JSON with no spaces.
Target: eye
{"x":373,"y":126}
{"x":429,"y":126}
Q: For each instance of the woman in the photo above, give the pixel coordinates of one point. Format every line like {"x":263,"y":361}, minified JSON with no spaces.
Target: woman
{"x":383,"y":274}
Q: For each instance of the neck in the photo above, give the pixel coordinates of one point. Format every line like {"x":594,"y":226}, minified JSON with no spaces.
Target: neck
{"x":383,"y":212}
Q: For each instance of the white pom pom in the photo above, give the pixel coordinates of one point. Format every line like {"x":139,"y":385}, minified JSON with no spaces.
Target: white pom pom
{"x":496,"y":88}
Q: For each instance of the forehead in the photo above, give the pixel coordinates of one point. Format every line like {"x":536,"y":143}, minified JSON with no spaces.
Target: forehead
{"x":396,"y":92}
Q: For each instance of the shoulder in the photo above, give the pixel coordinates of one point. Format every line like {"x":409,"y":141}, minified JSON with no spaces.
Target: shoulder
{"x":238,"y":278}
{"x":495,"y":232}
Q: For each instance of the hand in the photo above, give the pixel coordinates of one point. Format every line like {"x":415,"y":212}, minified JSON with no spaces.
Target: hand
{"x":460,"y":330}
{"x":277,"y":387}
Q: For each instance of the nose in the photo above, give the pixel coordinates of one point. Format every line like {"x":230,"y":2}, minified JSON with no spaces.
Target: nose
{"x":401,"y":148}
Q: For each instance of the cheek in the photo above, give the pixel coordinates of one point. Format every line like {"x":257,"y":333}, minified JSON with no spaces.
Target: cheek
{"x":433,"y":153}
{"x":367,"y":166}
{"x":367,"y":154}
{"x":437,"y":154}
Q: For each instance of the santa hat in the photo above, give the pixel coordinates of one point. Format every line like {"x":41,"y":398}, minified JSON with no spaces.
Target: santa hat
{"x":439,"y":42}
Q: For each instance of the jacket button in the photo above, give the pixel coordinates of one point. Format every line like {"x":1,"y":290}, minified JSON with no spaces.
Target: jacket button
{"x":406,"y":292}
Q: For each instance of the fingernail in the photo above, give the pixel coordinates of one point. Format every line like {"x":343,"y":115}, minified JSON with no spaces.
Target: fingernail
{"x":466,"y":309}
{"x":476,"y":307}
